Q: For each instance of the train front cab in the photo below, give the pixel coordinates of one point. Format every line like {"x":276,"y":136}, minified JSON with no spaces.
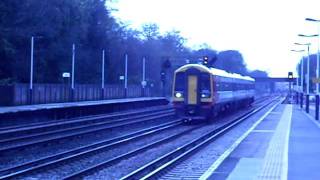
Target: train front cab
{"x":192,"y":93}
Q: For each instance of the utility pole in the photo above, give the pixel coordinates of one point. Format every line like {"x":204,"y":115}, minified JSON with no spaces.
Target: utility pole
{"x":72,"y":77}
{"x":102,"y":75}
{"x":31,"y":71}
{"x":143,"y":82}
{"x":126,"y":76}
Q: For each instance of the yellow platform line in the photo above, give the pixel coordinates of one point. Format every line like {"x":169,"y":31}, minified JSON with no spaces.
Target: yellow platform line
{"x":275,"y":164}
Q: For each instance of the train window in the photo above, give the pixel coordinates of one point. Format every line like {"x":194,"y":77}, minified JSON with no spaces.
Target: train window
{"x":205,"y":82}
{"x":223,"y":86}
{"x":217,"y":86}
{"x":180,"y":82}
{"x":226,"y":86}
{"x":220,"y":86}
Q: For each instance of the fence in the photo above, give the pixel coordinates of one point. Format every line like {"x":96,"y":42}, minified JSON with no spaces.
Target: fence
{"x":19,"y":94}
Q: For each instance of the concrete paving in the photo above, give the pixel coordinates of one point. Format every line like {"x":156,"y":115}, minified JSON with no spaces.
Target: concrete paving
{"x":304,"y":147}
{"x":285,"y":145}
{"x":13,"y":109}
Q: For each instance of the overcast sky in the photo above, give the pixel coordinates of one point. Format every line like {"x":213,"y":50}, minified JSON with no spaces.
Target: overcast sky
{"x":263,"y":31}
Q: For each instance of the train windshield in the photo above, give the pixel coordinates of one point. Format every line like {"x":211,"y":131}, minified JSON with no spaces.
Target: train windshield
{"x":205,"y":82}
{"x":180,"y":81}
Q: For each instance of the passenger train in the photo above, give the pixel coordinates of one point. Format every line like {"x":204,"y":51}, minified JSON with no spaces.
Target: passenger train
{"x":201,"y":93}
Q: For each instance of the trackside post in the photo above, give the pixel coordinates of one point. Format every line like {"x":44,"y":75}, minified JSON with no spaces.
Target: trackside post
{"x":317,"y":107}
{"x":307,"y":103}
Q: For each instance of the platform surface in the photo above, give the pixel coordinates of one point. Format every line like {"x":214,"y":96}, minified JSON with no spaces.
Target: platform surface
{"x":285,"y":145}
{"x":13,"y":109}
{"x":304,"y":147}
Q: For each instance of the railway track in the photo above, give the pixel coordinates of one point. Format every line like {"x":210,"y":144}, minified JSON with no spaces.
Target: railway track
{"x":70,"y":156}
{"x":163,"y":159}
{"x":161,"y":165}
{"x":11,"y":131}
{"x":74,"y":154}
{"x":63,"y":130}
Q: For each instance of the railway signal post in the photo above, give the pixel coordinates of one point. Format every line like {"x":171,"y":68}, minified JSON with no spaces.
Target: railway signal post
{"x":163,"y":82}
{"x":165,"y":65}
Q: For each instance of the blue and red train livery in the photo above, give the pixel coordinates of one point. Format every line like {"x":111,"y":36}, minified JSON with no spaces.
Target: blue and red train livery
{"x":201,"y":93}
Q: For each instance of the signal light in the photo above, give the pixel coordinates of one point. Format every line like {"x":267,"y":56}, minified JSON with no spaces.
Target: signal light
{"x":163,"y":75}
{"x":290,"y":75}
{"x":205,"y":60}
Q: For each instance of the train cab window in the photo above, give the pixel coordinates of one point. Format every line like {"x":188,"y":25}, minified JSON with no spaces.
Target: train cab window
{"x":180,"y":82}
{"x":205,"y":85}
{"x":205,"y":82}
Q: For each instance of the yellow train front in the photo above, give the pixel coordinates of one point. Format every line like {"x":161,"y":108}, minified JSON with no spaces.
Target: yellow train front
{"x":201,"y":93}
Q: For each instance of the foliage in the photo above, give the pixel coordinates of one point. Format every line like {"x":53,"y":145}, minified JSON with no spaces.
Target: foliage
{"x":231,"y":61}
{"x":258,"y":74}
{"x":57,"y":24}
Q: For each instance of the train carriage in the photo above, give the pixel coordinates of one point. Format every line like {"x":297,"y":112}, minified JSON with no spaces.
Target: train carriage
{"x":201,"y":93}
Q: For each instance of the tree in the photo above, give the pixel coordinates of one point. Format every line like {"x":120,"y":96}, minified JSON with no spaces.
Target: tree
{"x":150,"y":31}
{"x":258,"y":74}
{"x":57,"y":24}
{"x":231,"y":61}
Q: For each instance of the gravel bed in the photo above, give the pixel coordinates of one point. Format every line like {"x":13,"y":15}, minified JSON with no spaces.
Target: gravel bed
{"x":78,"y":164}
{"x":14,"y":157}
{"x":65,"y":131}
{"x":125,"y":167}
{"x":77,"y":122}
{"x":38,"y":120}
{"x":196,"y":165}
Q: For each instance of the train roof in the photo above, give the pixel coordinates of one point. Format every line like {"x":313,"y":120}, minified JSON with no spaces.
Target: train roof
{"x":214,"y":71}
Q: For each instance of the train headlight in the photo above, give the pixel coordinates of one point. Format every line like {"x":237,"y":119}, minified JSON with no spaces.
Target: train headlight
{"x":205,"y":94}
{"x":178,"y":95}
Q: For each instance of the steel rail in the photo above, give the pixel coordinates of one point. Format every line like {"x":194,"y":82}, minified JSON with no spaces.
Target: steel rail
{"x":78,"y":128}
{"x":70,"y":122}
{"x":73,"y":134}
{"x":81,"y":173}
{"x":34,"y":165}
{"x":160,"y":165}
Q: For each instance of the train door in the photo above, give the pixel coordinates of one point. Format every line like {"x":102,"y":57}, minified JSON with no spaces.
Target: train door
{"x":192,"y":85}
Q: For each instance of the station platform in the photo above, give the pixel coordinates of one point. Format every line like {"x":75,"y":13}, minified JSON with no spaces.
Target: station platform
{"x":35,"y":107}
{"x":285,"y":144}
{"x":38,"y":112}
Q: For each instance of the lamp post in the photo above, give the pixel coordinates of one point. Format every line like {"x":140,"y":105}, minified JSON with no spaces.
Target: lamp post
{"x":31,"y":70}
{"x":301,"y":79}
{"x":318,"y":51}
{"x":126,"y":76}
{"x":290,"y":77}
{"x":72,"y":71}
{"x":31,"y":67}
{"x":308,"y":74}
{"x":143,"y":82}
{"x":102,"y":74}
{"x":317,"y":68}
{"x":318,"y":62}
